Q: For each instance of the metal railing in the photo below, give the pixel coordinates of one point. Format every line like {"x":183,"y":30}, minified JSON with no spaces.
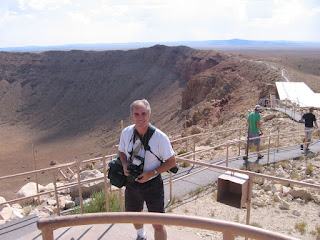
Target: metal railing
{"x":229,"y":229}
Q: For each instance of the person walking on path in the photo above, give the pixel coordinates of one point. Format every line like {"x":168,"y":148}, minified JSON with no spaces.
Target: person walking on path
{"x":309,"y":119}
{"x":146,"y":186}
{"x":254,"y":130}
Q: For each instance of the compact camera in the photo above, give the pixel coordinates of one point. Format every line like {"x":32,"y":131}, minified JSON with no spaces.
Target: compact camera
{"x":135,"y":168}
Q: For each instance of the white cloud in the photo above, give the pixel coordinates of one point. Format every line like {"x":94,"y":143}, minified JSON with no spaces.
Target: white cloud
{"x":43,"y":4}
{"x":47,"y":22}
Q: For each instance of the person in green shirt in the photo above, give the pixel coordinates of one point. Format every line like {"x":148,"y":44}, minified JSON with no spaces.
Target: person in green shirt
{"x":255,"y":128}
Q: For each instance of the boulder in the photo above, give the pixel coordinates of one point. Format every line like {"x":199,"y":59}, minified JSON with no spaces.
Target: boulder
{"x":285,"y":190}
{"x":296,"y":213}
{"x":6,"y":212}
{"x":300,"y":193}
{"x":88,"y":188}
{"x":269,"y":117}
{"x":276,"y":188}
{"x":2,"y":200}
{"x":28,"y":190}
{"x":16,"y":214}
{"x":258,"y":202}
{"x":70,"y":204}
{"x":316,"y":198}
{"x":284,"y":205}
{"x":277,"y":197}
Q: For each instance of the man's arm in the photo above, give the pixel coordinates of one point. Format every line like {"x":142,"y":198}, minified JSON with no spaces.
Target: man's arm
{"x":316,"y":124}
{"x":169,"y":163}
{"x":124,"y":162}
{"x":259,"y":127}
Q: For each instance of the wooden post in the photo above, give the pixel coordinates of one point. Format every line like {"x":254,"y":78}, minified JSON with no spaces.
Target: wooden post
{"x":187,"y":145}
{"x":247,"y":149}
{"x":79,"y":185}
{"x":47,"y":233}
{"x":268,"y":151}
{"x":228,"y":236}
{"x":121,"y":125}
{"x":35,"y":168}
{"x":194,"y":149}
{"x":227,"y":162}
{"x":170,"y":186}
{"x":250,"y":184}
{"x":106,"y":184}
{"x":278,"y":143}
{"x":56,"y":192}
{"x":239,"y":142}
{"x":120,"y":189}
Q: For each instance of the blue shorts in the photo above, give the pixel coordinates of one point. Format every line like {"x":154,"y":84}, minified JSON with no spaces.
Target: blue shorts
{"x":256,"y":141}
{"x":151,"y":192}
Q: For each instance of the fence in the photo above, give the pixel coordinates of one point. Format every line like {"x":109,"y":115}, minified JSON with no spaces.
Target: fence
{"x":229,"y":229}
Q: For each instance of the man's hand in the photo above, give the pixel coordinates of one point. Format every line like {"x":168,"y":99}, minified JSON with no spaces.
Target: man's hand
{"x":125,"y":168}
{"x":145,"y":176}
{"x":124,"y":162}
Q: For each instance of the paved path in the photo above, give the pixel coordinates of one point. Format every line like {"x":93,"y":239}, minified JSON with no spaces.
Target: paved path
{"x":292,"y":114}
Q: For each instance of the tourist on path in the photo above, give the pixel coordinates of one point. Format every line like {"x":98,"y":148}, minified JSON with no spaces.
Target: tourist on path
{"x":309,"y":119}
{"x":255,"y":130}
{"x":147,"y":185}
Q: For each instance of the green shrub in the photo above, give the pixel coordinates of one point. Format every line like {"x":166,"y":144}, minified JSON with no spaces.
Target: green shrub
{"x":97,"y":203}
{"x":316,"y":232}
{"x":301,"y":227}
{"x":309,"y":169}
{"x":184,"y":164}
{"x":181,"y":152}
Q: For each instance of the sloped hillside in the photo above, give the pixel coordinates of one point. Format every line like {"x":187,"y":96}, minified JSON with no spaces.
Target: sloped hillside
{"x":80,"y":96}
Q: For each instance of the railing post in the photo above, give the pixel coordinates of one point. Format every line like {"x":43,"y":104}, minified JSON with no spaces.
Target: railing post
{"x":105,"y":183}
{"x":35,"y":168}
{"x":239,"y":142}
{"x":79,"y":185}
{"x":187,"y":145}
{"x":56,"y":192}
{"x":268,"y":160}
{"x":121,"y":199}
{"x":249,"y":200}
{"x":120,"y":189}
{"x":278,"y":142}
{"x":194,"y":149}
{"x":170,"y":186}
{"x":227,"y":159}
{"x":47,"y":233}
{"x":228,"y":236}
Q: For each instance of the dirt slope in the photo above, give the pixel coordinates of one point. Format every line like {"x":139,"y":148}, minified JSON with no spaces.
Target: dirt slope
{"x":70,"y":103}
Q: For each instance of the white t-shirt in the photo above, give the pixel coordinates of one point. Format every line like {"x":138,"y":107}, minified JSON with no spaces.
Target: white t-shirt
{"x":159,"y":144}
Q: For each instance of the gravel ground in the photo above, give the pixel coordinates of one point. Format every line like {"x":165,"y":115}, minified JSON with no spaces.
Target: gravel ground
{"x":203,"y":203}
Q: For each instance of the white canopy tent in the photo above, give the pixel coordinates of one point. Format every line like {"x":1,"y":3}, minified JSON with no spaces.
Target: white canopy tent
{"x":299,"y":93}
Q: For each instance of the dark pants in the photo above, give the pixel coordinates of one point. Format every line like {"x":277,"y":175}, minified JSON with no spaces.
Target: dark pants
{"x":151,"y":192}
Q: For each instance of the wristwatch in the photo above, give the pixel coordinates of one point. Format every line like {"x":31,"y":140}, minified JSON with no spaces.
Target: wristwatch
{"x":155,"y":172}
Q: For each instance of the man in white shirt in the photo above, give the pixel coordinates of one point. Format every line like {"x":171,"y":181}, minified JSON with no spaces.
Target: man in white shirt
{"x":147,"y":186}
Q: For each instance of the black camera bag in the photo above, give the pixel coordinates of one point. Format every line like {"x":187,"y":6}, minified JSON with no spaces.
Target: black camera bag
{"x":116,"y":174}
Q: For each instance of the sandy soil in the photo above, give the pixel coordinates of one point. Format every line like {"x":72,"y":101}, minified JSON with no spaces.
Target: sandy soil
{"x":270,"y":217}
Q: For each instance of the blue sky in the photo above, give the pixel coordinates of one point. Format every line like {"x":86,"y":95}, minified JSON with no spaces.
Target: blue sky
{"x":58,"y":22}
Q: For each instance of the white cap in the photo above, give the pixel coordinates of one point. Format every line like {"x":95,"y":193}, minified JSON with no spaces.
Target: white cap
{"x":257,"y":107}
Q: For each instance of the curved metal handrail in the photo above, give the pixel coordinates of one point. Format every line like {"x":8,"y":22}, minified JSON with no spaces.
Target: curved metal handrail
{"x":229,"y":229}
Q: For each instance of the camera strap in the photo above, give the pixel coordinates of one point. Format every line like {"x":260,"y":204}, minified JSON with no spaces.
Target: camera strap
{"x":145,"y":139}
{"x":136,"y":150}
